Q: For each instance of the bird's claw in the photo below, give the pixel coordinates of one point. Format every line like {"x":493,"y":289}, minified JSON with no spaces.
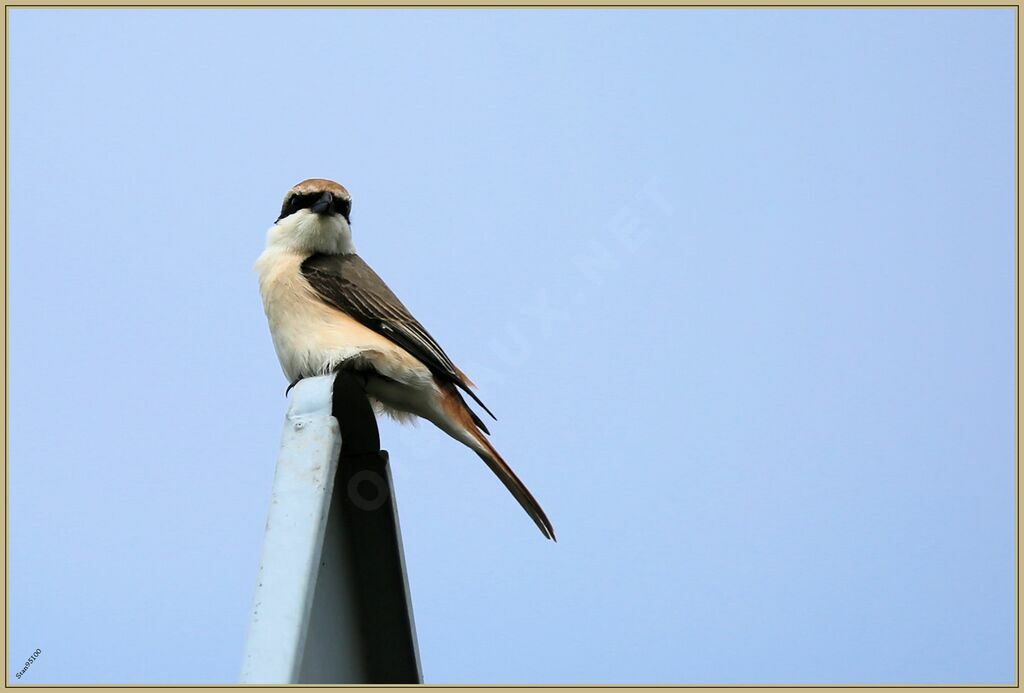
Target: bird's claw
{"x":293,"y":384}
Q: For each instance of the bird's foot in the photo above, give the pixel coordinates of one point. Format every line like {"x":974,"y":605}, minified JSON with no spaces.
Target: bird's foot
{"x":294,"y":383}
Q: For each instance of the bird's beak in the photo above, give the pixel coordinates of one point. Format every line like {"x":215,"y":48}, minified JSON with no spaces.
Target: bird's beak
{"x":323,"y":205}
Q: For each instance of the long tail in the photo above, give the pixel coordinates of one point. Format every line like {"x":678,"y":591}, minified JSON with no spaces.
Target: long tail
{"x":462,"y":424}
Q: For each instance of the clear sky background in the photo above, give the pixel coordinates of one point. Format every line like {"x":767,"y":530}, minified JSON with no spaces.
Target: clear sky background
{"x":738,"y":285}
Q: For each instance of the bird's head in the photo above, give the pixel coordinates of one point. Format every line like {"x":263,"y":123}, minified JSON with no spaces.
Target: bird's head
{"x":314,"y":218}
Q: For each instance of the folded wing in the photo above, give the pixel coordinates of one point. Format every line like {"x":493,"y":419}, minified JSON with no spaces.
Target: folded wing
{"x":350,"y":285}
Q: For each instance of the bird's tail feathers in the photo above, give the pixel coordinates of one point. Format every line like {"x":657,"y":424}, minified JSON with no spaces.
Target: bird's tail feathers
{"x":468,"y":431}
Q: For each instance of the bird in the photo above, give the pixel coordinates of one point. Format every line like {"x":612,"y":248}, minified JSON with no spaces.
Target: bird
{"x":328,"y":310}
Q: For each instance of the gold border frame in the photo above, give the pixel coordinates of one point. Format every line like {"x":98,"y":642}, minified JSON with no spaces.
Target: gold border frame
{"x":536,"y":4}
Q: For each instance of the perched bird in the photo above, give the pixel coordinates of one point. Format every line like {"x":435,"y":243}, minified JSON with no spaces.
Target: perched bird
{"x":328,"y":311}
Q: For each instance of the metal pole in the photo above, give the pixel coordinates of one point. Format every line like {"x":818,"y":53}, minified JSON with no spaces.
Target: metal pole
{"x":332,"y":601}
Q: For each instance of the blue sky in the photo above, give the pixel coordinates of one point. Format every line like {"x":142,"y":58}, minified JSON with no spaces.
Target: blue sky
{"x":738,"y":285}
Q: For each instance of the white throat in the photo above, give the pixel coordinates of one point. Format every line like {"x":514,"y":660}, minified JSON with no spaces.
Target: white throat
{"x":306,"y":232}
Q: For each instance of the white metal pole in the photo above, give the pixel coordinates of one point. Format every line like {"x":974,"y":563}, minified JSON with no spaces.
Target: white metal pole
{"x":332,"y":601}
{"x":293,"y":543}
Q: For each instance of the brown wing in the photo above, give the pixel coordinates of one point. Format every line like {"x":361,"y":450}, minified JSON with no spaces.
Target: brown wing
{"x":350,"y":285}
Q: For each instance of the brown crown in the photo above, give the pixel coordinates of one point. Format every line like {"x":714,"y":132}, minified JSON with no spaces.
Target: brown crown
{"x":319,"y":185}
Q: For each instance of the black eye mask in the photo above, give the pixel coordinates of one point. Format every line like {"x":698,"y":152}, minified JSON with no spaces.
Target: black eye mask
{"x":296,"y":202}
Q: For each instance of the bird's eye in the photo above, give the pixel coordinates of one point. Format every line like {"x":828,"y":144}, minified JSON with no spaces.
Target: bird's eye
{"x":296,"y":202}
